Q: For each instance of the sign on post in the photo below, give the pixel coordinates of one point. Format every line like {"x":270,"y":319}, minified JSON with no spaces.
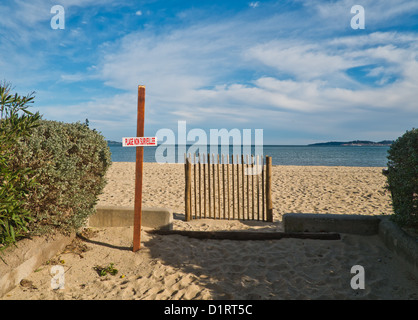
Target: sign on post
{"x":139,"y":141}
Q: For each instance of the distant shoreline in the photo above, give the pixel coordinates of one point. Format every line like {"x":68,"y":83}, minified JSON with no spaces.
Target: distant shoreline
{"x":353,"y":143}
{"x":356,"y":143}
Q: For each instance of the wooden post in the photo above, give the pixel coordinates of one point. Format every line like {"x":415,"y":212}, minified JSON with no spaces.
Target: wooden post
{"x":269,"y":205}
{"x":195,"y":187}
{"x":200,"y":188}
{"x":219,"y":189}
{"x":210,"y":206}
{"x":188,"y":192}
{"x":258,"y":189}
{"x":214,"y":186}
{"x":238,"y":186}
{"x":190,"y":164}
{"x":243,"y":187}
{"x":227,"y":183}
{"x":204,"y":186}
{"x":252,"y":185}
{"x":263,"y":187}
{"x":248,"y":190}
{"x":139,"y":170}
{"x":223,"y":185}
{"x":233,"y":188}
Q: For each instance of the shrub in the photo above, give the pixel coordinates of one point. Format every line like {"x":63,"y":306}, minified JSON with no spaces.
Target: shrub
{"x":70,"y":162}
{"x":16,"y":122}
{"x":402,"y":178}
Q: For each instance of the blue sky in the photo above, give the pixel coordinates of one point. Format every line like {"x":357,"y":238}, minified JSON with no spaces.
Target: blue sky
{"x":295,"y":69}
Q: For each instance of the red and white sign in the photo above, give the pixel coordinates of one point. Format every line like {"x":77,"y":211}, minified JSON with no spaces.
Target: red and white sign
{"x":139,"y":142}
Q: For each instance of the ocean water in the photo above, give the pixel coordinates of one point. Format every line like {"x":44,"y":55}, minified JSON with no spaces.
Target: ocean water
{"x":347,"y":156}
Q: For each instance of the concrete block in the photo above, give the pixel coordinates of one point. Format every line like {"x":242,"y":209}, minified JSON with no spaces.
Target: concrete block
{"x":352,"y":224}
{"x":402,"y":244}
{"x":110,"y":216}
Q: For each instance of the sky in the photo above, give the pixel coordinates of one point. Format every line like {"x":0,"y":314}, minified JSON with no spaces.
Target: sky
{"x":297,"y":69}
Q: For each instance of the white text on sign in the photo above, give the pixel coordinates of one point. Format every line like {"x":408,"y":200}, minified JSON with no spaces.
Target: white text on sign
{"x":139,"y":141}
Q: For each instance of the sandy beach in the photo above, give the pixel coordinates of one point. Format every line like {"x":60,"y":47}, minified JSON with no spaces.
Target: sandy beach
{"x":177,"y":267}
{"x":341,"y":190}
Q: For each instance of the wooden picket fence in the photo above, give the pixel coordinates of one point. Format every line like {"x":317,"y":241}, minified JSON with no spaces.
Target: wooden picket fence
{"x":223,"y":189}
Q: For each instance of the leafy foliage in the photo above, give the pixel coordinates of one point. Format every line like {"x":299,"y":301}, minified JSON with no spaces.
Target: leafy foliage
{"x":70,"y":162}
{"x":16,"y":122}
{"x":402,"y":178}
{"x":103,"y":271}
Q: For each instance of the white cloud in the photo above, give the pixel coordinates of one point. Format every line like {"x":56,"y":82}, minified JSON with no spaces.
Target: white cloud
{"x":191,"y":74}
{"x":300,"y":59}
{"x":280,"y":70}
{"x":115,"y":111}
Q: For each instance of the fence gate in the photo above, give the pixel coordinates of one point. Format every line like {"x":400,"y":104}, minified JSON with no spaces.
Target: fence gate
{"x":223,"y":189}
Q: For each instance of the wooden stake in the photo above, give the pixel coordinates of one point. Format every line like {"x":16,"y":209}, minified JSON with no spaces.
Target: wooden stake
{"x":233,"y":188}
{"x":223,"y":184}
{"x":214,"y":186}
{"x":195,"y":187}
{"x":139,"y":170}
{"x":200,"y":193}
{"x":204,"y":186}
{"x":248,"y":191}
{"x":262,"y":187}
{"x":219,"y":190}
{"x":227,"y":183}
{"x":269,"y":205}
{"x":188,"y":190}
{"x":258,"y":189}
{"x":210,"y":206}
{"x":252,"y":185}
{"x":243,"y":186}
{"x":238,"y":209}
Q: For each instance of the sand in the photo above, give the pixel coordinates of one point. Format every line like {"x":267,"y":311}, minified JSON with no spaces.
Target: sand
{"x":177,"y":267}
{"x":341,"y":190}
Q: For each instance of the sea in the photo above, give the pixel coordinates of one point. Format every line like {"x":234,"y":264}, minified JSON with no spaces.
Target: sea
{"x":346,"y":156}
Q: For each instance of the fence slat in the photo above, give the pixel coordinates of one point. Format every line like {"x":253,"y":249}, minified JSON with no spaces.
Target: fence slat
{"x":200,"y":190}
{"x":238,"y":208}
{"x":195,"y":189}
{"x":252,"y":186}
{"x":258,"y":188}
{"x":233,"y":188}
{"x":262,"y":185}
{"x":223,"y":185}
{"x":243,"y":187}
{"x":214,"y":186}
{"x":269,"y":205}
{"x":188,"y":174}
{"x":209,"y":202}
{"x":248,"y":189}
{"x":227,"y":183}
{"x":219,"y":189}
{"x":204,"y":186}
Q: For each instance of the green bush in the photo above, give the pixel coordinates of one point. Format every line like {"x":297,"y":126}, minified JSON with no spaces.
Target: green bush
{"x":70,"y":162}
{"x":16,"y":122}
{"x":402,"y":178}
